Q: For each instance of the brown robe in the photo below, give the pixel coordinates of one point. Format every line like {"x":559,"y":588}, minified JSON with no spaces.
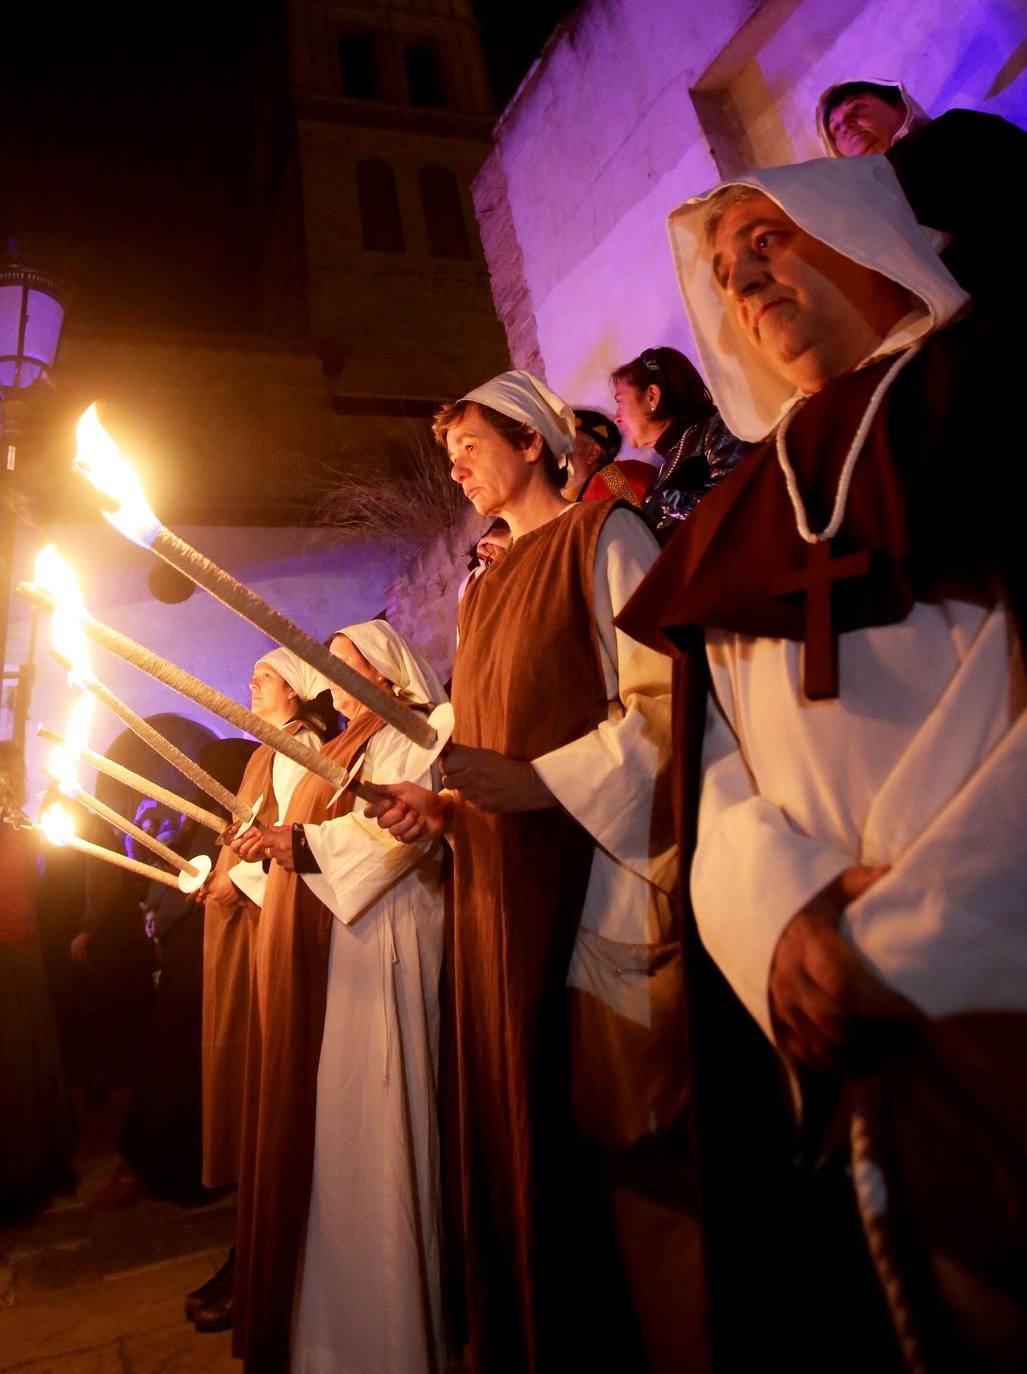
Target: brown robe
{"x":227,"y":939}
{"x":785,"y":1276}
{"x":290,"y":983}
{"x":939,"y":1142}
{"x":543,"y":1290}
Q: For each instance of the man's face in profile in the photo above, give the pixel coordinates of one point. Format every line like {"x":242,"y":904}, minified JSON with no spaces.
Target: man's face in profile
{"x":810,"y":311}
{"x":864,"y":123}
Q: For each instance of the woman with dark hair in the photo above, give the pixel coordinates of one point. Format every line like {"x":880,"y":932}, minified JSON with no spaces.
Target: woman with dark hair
{"x":663,"y":403}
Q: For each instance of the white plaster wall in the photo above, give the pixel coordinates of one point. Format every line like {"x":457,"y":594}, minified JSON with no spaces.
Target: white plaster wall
{"x":598,"y":124}
{"x":963,"y":55}
{"x":308,"y":574}
{"x":622,"y":298}
{"x":603,"y":139}
{"x":423,"y":601}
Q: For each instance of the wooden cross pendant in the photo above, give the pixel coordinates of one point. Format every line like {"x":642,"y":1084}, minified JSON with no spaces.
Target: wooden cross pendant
{"x":816,"y":579}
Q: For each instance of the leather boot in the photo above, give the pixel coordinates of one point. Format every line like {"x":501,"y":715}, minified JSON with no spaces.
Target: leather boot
{"x":213,"y":1295}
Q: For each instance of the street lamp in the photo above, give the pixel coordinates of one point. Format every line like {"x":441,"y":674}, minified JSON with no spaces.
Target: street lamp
{"x":31,"y":316}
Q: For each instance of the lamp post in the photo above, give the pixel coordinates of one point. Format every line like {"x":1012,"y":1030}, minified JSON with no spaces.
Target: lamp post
{"x":31,"y":317}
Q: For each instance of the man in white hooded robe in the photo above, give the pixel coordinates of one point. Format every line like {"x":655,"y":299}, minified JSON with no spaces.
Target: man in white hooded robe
{"x":859,"y":867}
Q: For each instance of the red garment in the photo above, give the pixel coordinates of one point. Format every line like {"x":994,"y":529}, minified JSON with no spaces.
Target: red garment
{"x":940,"y":1136}
{"x":629,"y":480}
{"x":18,"y":856}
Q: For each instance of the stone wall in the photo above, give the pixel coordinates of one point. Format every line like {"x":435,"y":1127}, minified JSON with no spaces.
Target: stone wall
{"x":614,"y":126}
{"x":422,"y":602}
{"x":398,"y":324}
{"x":513,"y":301}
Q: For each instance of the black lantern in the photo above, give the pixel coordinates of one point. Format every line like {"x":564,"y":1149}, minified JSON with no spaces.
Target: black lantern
{"x":31,"y":317}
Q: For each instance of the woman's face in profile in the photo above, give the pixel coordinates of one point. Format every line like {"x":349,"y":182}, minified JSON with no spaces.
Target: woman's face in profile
{"x":633,"y":414}
{"x":347,"y":651}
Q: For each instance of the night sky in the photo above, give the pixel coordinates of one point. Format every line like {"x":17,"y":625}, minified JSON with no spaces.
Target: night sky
{"x":513,"y":36}
{"x":125,"y":132}
{"x":127,"y":146}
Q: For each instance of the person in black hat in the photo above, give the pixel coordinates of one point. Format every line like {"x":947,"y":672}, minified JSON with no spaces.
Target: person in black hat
{"x":594,"y":475}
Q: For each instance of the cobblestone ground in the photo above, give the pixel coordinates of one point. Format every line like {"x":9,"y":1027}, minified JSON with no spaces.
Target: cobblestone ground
{"x":84,"y":1294}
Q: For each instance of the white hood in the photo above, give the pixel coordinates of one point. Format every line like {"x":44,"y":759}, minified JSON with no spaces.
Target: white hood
{"x":856,"y":206}
{"x":413,"y":679}
{"x":915,"y":114}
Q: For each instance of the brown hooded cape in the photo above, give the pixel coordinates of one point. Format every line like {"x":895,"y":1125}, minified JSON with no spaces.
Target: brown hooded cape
{"x":930,"y":504}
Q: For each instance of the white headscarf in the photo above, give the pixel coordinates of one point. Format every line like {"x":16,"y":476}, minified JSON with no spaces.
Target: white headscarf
{"x":301,"y":677}
{"x":413,"y":678}
{"x":854,"y":205}
{"x":915,"y":114}
{"x":523,"y":397}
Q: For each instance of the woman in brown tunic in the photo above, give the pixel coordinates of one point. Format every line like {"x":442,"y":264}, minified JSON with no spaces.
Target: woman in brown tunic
{"x":281,"y":689}
{"x":561,"y":738}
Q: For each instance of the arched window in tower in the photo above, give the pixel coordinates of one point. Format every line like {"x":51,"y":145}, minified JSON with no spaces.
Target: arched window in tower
{"x":380,"y":220}
{"x":425,"y":85}
{"x":443,"y":214}
{"x":358,"y":65}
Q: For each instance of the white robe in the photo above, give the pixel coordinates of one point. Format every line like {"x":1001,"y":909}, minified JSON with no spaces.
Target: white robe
{"x":369,"y":1292}
{"x":250,"y":878}
{"x":920,"y":764}
{"x":609,"y":780}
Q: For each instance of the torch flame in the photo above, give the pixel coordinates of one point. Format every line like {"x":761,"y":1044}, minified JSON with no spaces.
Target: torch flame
{"x":56,"y":824}
{"x":99,"y":459}
{"x":55,"y":576}
{"x":63,"y":762}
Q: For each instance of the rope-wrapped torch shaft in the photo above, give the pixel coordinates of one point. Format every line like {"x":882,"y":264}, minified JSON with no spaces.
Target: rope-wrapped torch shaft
{"x":120,"y":822}
{"x":145,"y":786}
{"x":246,"y":603}
{"x":110,"y":856}
{"x":237,"y":809}
{"x":209,"y":698}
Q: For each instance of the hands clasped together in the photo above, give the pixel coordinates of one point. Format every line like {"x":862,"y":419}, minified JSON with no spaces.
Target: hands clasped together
{"x":829,"y":1011}
{"x":257,"y":842}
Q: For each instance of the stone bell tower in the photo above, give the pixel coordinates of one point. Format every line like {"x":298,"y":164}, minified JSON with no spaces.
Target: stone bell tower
{"x":375,"y":249}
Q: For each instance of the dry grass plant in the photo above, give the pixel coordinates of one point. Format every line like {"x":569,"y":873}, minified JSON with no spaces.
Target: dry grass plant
{"x":417,"y":505}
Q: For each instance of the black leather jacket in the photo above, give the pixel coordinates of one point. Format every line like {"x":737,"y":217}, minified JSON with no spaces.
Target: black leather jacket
{"x":695,"y":458}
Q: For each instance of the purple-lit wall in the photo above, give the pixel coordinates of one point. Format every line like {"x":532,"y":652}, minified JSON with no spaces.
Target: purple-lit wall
{"x":310,"y":575}
{"x":618,"y":121}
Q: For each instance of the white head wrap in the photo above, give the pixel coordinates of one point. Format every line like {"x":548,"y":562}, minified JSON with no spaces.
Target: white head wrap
{"x":413,"y":678}
{"x":915,"y":114}
{"x":300,"y":676}
{"x":523,"y":397}
{"x":854,"y":205}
